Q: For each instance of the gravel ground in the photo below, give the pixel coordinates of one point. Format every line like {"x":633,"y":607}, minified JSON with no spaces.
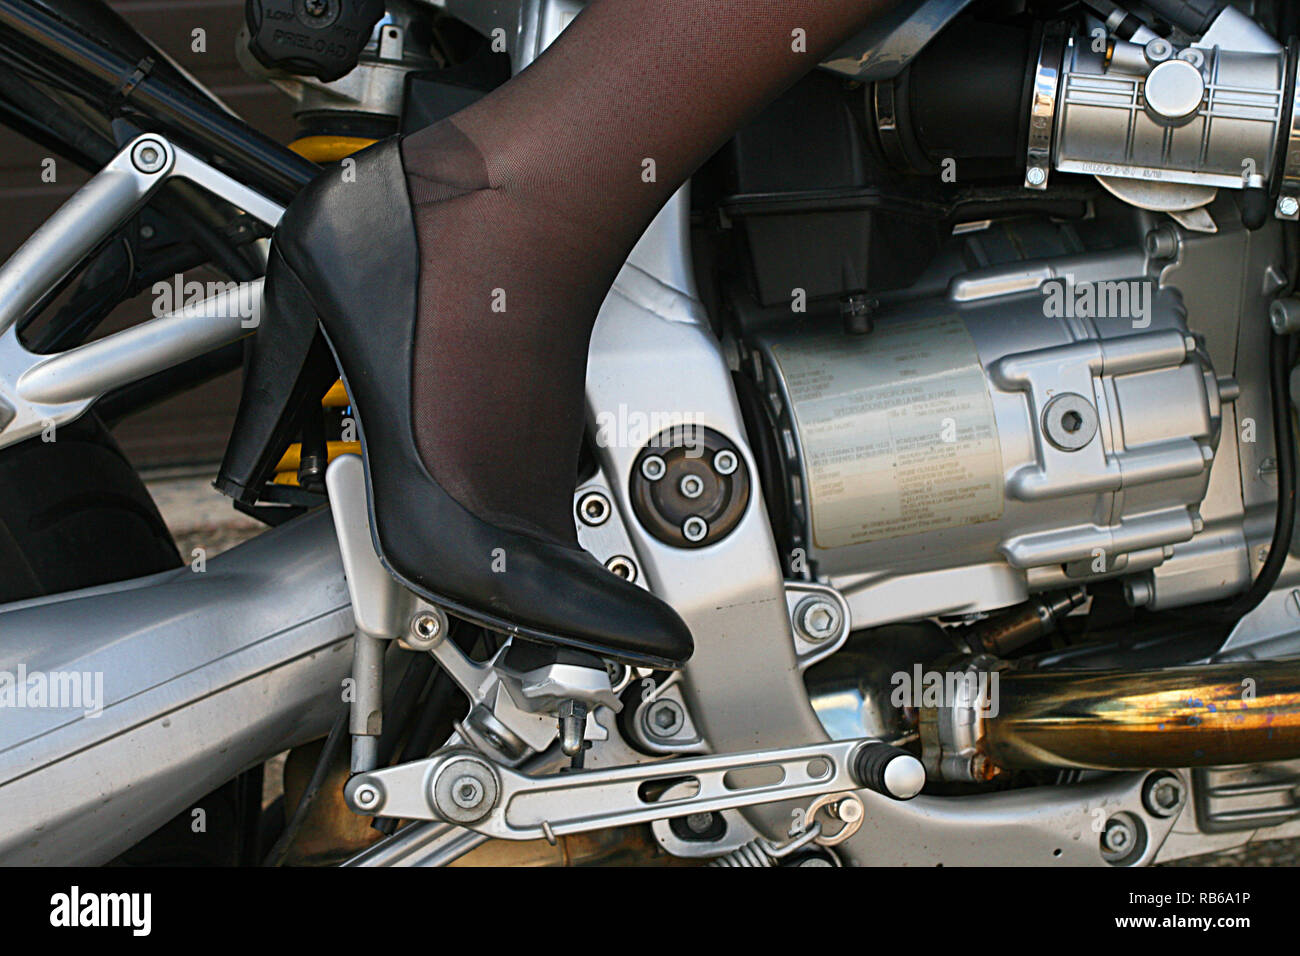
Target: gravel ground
{"x":198,"y":515}
{"x":201,"y":517}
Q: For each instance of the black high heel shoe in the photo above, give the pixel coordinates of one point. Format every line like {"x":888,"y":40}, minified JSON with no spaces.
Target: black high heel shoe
{"x":346,"y":254}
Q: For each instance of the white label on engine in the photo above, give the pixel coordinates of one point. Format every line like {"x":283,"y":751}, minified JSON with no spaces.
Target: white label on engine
{"x":897,"y":428}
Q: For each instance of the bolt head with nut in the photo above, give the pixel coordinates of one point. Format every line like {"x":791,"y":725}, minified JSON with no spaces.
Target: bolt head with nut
{"x":464,"y":790}
{"x":467,"y":792}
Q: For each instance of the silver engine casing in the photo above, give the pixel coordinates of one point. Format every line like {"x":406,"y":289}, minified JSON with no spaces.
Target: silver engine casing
{"x":928,"y":468}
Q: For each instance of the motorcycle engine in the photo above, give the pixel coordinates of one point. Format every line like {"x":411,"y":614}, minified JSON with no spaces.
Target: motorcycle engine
{"x":1043,"y":451}
{"x":991,"y":387}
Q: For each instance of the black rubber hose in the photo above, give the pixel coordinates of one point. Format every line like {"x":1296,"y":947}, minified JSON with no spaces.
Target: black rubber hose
{"x":421,"y":740}
{"x":328,"y":753}
{"x":1284,"y":443}
{"x":397,"y":715}
{"x":420,"y":743}
{"x":1193,"y":16}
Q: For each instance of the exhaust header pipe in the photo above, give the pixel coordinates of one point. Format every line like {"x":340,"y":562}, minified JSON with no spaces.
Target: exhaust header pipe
{"x":1201,"y":716}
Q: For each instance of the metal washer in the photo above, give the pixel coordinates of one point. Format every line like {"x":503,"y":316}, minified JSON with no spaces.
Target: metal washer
{"x":444,"y":800}
{"x":1069,"y":421}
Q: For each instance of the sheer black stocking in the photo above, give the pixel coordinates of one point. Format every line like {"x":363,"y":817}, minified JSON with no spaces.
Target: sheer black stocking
{"x":528,"y":202}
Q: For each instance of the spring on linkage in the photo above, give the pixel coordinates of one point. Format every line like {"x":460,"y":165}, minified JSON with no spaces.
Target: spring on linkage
{"x":753,"y":853}
{"x":761,"y":852}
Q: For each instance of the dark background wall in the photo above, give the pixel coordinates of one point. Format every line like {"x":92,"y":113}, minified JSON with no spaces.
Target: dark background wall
{"x":191,"y":428}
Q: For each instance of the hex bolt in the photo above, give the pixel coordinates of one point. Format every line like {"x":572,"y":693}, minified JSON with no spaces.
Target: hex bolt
{"x":623,"y":566}
{"x":818,"y":618}
{"x":1139,"y":590}
{"x":467,"y":792}
{"x":464,"y":791}
{"x":725,"y":462}
{"x":1070,"y":421}
{"x":1163,"y":795}
{"x":1118,"y":837}
{"x":149,"y":156}
{"x":665,"y":719}
{"x":653,"y":467}
{"x":695,"y":529}
{"x":1035,"y":176}
{"x":594,"y":509}
{"x":691,"y":486}
{"x":1288,"y":206}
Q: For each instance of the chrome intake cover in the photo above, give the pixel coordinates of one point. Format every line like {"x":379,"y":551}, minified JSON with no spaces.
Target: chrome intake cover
{"x":1201,"y":117}
{"x":1026,"y":435}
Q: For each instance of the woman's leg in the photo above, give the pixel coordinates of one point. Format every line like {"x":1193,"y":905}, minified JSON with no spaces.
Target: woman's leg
{"x":528,"y":202}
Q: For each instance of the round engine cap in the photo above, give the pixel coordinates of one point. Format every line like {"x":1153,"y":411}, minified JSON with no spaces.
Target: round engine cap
{"x":1173,"y":92}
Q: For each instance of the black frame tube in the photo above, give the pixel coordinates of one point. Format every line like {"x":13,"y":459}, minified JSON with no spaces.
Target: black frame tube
{"x":52,"y":46}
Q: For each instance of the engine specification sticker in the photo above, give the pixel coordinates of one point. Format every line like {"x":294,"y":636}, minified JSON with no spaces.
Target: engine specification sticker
{"x":897,"y":428}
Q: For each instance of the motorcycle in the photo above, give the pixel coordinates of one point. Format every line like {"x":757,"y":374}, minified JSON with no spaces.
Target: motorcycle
{"x":949,"y":404}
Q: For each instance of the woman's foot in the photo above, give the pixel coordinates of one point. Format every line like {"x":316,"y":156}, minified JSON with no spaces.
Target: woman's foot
{"x":346,"y":254}
{"x":457,"y":277}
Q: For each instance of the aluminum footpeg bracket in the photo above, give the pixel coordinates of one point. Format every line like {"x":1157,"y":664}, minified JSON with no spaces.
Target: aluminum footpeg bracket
{"x":463,"y":787}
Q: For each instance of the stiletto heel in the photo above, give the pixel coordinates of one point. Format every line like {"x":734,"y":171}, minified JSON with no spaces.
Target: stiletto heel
{"x":346,"y":256}
{"x":288,"y":372}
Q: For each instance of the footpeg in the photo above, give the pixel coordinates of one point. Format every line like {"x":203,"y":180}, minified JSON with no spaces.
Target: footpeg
{"x":889,"y":770}
{"x":464,"y":787}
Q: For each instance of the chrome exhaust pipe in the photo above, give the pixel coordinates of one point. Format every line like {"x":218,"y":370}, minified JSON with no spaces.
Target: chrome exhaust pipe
{"x":1200,"y":716}
{"x":185,"y":680}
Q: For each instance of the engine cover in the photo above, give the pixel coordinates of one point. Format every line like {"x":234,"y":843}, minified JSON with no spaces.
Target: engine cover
{"x":1051,"y":437}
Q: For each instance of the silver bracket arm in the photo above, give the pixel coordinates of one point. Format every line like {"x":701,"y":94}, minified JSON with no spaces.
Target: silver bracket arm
{"x":38,"y":392}
{"x":465,"y":788}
